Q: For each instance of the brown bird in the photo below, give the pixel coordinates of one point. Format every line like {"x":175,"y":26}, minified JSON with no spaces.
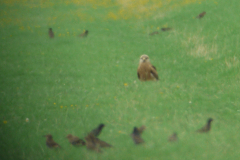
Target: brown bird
{"x":146,"y":71}
{"x":173,"y":137}
{"x":136,"y":136}
{"x":153,"y":33}
{"x":97,"y":130}
{"x":84,"y":34}
{"x":50,"y":142}
{"x":91,"y":143}
{"x":207,"y":127}
{"x":201,"y":15}
{"x":50,"y":33}
{"x":141,"y":129}
{"x":75,"y":140}
{"x":166,"y":29}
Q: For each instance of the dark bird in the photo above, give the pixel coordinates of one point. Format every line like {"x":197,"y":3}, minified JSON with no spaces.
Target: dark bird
{"x":141,"y":129}
{"x":201,"y":15}
{"x":166,"y":29}
{"x":97,"y":130}
{"x":207,"y":127}
{"x":91,"y":143}
{"x":75,"y":140}
{"x":173,"y":137}
{"x":153,"y":33}
{"x":136,"y":136}
{"x":50,"y":33}
{"x":50,"y":142}
{"x":84,"y":34}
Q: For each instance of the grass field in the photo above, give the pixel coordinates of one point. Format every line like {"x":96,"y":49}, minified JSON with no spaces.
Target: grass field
{"x":70,"y":84}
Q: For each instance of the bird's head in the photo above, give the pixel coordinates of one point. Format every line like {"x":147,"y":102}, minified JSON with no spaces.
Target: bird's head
{"x":101,"y":126}
{"x":48,"y":136}
{"x":144,"y":58}
{"x":210,"y":120}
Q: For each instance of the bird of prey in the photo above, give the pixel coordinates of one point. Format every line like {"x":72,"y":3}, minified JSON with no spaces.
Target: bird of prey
{"x":207,"y":127}
{"x":97,"y":130}
{"x":201,"y":15}
{"x":84,"y":34}
{"x":153,"y":33}
{"x":173,"y":137}
{"x":146,"y":71}
{"x":50,"y":142}
{"x":75,"y":140}
{"x":50,"y":33}
{"x":166,"y":29}
{"x":136,"y":136}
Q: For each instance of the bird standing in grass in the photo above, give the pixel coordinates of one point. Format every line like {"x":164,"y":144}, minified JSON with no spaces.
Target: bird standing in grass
{"x":75,"y":140}
{"x":207,"y":127}
{"x":136,"y":136}
{"x":166,"y":29}
{"x":201,"y":15}
{"x":50,"y":33}
{"x":84,"y":34}
{"x":50,"y":142}
{"x":97,"y":130}
{"x":173,"y":137}
{"x":146,"y":71}
{"x":91,"y":143}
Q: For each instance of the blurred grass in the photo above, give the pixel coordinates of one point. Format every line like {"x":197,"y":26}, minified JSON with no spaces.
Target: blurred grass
{"x":70,"y":85}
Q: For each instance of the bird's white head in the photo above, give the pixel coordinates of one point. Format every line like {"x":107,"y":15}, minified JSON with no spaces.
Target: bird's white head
{"x":144,"y":58}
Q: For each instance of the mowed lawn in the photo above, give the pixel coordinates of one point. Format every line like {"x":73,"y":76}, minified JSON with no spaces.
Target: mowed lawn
{"x":70,"y":84}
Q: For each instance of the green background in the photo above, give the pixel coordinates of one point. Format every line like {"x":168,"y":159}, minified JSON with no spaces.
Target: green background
{"x":68,"y":85}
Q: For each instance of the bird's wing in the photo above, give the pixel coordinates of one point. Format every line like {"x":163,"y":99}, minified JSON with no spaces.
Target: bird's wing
{"x":154,"y":72}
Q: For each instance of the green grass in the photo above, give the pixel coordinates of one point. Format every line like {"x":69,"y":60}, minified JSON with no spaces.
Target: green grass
{"x":70,"y":85}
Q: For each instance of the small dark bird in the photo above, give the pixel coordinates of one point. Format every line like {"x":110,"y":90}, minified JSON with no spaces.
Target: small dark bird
{"x":97,"y":130}
{"x":166,"y":29}
{"x":207,"y":127}
{"x":75,"y":140}
{"x":201,"y":15}
{"x":173,"y":137}
{"x":153,"y":33}
{"x":84,"y":34}
{"x":50,"y":33}
{"x":91,"y":143}
{"x":50,"y":142}
{"x":141,"y":129}
{"x":136,"y":136}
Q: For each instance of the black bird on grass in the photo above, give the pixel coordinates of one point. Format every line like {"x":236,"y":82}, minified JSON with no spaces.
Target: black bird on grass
{"x":207,"y":127}
{"x":91,"y":143}
{"x":201,"y":15}
{"x":75,"y":140}
{"x":136,"y":136}
{"x":166,"y":29}
{"x":97,"y":130}
{"x":84,"y":34}
{"x":173,"y":137}
{"x":50,"y":142}
{"x":50,"y":33}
